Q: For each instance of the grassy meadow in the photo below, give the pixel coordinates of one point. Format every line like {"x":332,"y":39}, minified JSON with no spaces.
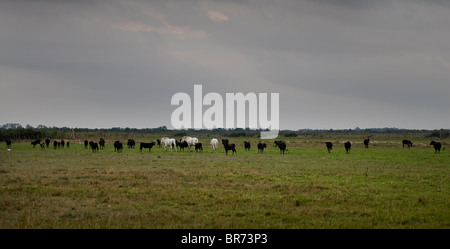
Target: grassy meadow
{"x":385,"y":186}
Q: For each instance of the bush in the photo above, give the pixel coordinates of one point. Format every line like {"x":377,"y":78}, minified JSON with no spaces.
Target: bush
{"x":439,"y":134}
{"x":292,"y":134}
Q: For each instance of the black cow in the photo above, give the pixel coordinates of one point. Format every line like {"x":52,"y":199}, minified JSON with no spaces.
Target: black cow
{"x":247,"y":146}
{"x":8,"y":143}
{"x":35,"y":142}
{"x":47,"y":142}
{"x":67,"y":144}
{"x":347,"y":146}
{"x":329,"y":146}
{"x":437,"y":146}
{"x":118,"y":146}
{"x":55,"y":144}
{"x":261,"y":147}
{"x":198,"y":147}
{"x":62,"y":143}
{"x":146,"y":146}
{"x":86,"y":144}
{"x":158,"y":142}
{"x":281,"y":145}
{"x":101,"y":143}
{"x":227,"y":146}
{"x":366,"y":142}
{"x":182,"y":145}
{"x":94,"y":146}
{"x":408,"y":143}
{"x":131,"y":143}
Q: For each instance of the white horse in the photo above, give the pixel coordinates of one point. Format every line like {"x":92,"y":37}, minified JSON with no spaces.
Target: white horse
{"x":191,"y":141}
{"x":168,"y":142}
{"x":214,"y":143}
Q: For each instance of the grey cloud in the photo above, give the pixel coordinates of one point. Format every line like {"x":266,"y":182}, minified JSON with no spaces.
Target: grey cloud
{"x":117,"y":63}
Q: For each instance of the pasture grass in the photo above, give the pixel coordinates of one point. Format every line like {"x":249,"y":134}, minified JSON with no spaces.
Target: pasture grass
{"x":384,"y":186}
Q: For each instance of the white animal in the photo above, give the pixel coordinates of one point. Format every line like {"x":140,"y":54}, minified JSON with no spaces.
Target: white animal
{"x":168,"y":142}
{"x":191,"y":141}
{"x":214,"y":143}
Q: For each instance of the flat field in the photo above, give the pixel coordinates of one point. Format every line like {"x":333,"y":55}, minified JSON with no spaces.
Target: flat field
{"x":384,"y":186}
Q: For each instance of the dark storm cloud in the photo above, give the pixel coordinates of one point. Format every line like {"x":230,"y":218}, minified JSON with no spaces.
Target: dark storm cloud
{"x":336,"y":64}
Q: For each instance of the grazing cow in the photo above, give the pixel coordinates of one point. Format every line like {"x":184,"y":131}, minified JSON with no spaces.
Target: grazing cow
{"x":55,"y":144}
{"x":146,"y":146}
{"x":101,"y":143}
{"x":47,"y":142}
{"x":131,"y":143}
{"x":62,"y":143}
{"x":366,"y":142}
{"x":408,"y":143}
{"x":182,"y":145}
{"x":214,"y":143}
{"x":347,"y":146}
{"x":158,"y":142}
{"x":329,"y":146}
{"x":281,"y":145}
{"x":86,"y":144}
{"x":227,"y":146}
{"x":94,"y":146}
{"x":437,"y":146}
{"x":67,"y":144}
{"x":35,"y":142}
{"x":261,"y":147}
{"x":247,"y":146}
{"x":198,"y":147}
{"x":42,"y":145}
{"x":8,"y":143}
{"x":118,"y":146}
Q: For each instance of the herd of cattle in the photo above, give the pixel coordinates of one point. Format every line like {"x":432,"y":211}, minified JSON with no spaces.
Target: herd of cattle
{"x":193,"y":142}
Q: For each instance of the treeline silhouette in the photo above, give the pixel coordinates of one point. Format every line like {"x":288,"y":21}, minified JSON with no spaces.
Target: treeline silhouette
{"x":17,"y":132}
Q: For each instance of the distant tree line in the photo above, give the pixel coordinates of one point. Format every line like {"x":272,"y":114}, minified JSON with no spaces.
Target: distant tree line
{"x":17,"y":132}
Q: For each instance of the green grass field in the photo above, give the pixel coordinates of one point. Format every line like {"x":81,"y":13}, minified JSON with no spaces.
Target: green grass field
{"x":384,"y":186}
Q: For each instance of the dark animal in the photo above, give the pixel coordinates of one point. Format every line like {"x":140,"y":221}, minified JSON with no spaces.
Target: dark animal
{"x":281,"y":145}
{"x":329,"y":146}
{"x":366,"y":142}
{"x":55,"y":144}
{"x":101,"y":143}
{"x":408,"y":143}
{"x":118,"y":146}
{"x":131,"y":143}
{"x":227,"y":146}
{"x":86,"y":144}
{"x":247,"y":146}
{"x":62,"y":143}
{"x":47,"y":142}
{"x":34,"y":143}
{"x":94,"y":146}
{"x":8,"y":143}
{"x":42,"y":145}
{"x":261,"y":147}
{"x":158,"y":142}
{"x":146,"y":146}
{"x":437,"y":146}
{"x":182,"y":145}
{"x":67,"y":144}
{"x":347,"y":146}
{"x":198,"y":147}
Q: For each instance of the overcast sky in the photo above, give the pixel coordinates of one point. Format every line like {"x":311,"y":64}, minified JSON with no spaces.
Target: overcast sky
{"x":335,"y":64}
